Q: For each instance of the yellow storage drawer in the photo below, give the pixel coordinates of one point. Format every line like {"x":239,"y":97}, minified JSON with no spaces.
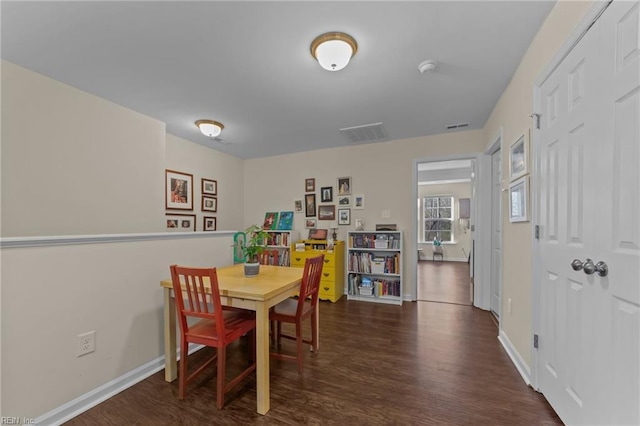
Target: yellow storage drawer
{"x":332,"y":281}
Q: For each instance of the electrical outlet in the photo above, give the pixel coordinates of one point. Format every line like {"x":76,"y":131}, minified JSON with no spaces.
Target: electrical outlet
{"x":86,"y":343}
{"x":509,"y":305}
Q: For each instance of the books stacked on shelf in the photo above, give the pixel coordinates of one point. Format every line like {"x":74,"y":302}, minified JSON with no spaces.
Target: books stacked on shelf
{"x":369,"y":263}
{"x":374,"y":241}
{"x":284,"y":259}
{"x":359,"y":285}
{"x":279,"y":239}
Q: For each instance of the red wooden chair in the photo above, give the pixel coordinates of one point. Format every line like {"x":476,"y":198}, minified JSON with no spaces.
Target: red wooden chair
{"x":296,"y":311}
{"x":217,"y":327}
{"x":269,"y":257}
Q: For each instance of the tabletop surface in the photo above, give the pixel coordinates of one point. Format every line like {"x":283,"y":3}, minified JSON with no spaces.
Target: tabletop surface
{"x":270,"y":281}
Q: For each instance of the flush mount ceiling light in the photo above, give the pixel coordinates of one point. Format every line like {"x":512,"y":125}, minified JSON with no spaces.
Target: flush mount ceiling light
{"x":210,"y":128}
{"x":427,"y":66}
{"x":333,"y":50}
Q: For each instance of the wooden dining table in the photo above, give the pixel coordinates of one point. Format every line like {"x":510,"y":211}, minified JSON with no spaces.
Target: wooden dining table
{"x":258,"y":293}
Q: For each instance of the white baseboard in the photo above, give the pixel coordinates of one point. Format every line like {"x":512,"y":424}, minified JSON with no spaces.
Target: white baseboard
{"x":517,"y":360}
{"x":447,"y":259}
{"x":73,"y":408}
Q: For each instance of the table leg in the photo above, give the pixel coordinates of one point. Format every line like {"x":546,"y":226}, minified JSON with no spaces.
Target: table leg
{"x":262,"y":357}
{"x":170,"y":362}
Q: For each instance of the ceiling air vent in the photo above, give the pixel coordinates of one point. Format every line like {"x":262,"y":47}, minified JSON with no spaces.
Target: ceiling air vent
{"x":367,"y":133}
{"x":457,"y":126}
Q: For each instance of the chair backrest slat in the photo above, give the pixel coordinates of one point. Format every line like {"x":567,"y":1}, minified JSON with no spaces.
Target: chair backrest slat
{"x":192,"y":281}
{"x":310,"y":282}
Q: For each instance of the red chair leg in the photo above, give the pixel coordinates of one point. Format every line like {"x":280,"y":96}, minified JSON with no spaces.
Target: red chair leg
{"x":222,"y":359}
{"x":182,"y":380}
{"x":314,"y":331}
{"x":299,"y":346}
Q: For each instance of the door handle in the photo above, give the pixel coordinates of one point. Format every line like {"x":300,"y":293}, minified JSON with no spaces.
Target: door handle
{"x":576,"y":264}
{"x":589,"y":268}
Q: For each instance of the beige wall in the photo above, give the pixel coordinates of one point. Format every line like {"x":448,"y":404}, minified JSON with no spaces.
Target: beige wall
{"x":73,"y":163}
{"x":203,"y":162}
{"x":382,"y":172}
{"x":512,"y":114}
{"x":462,"y":235}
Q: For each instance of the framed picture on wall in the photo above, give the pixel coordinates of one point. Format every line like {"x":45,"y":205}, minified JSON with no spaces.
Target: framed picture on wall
{"x":326,"y":194}
{"x":358,"y":202}
{"x":209,"y":204}
{"x":178,"y":190}
{"x":327,"y":212}
{"x":209,"y":223}
{"x":310,"y":223}
{"x":344,"y":216}
{"x":309,"y":185}
{"x":518,"y":157}
{"x":344,"y":186}
{"x":310,"y":205}
{"x":519,"y":200}
{"x":297,"y":206}
{"x":209,"y":187}
{"x":180,"y":222}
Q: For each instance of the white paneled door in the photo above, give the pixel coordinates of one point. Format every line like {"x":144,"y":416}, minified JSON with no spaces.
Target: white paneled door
{"x":588,"y":209}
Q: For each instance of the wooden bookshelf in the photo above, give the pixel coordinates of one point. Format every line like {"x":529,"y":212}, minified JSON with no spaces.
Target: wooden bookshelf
{"x":281,"y":241}
{"x":374,"y":266}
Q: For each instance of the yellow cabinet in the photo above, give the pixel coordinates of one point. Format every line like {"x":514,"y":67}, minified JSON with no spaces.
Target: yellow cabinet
{"x":332,"y":283}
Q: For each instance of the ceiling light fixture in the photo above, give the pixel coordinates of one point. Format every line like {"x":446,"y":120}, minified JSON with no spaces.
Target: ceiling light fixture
{"x":210,"y":128}
{"x":333,"y":50}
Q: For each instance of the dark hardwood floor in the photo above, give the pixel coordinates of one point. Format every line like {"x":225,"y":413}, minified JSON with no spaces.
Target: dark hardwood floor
{"x":420,"y":364}
{"x":445,"y":282}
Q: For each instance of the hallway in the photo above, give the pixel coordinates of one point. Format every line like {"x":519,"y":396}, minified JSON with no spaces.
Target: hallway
{"x":444,"y":282}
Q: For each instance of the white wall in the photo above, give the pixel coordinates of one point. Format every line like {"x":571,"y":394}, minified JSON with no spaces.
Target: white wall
{"x":381,"y":171}
{"x":462,"y":235}
{"x":73,"y":163}
{"x":512,"y":114}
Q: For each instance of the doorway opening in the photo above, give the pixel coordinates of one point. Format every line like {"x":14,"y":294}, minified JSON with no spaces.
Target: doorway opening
{"x":444,"y":237}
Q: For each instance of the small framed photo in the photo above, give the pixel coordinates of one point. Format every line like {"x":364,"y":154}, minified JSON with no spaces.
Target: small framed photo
{"x":519,"y":200}
{"x":327,"y":212}
{"x":344,"y":216}
{"x":326,"y":194}
{"x":519,"y":157}
{"x":209,"y":204}
{"x":209,"y":223}
{"x":344,"y":186}
{"x":358,"y":202}
{"x":209,"y":187}
{"x":344,"y":200}
{"x":310,"y":223}
{"x":178,"y":190}
{"x":309,"y":185}
{"x":310,"y":205}
{"x":180,"y":222}
{"x":297,"y":206}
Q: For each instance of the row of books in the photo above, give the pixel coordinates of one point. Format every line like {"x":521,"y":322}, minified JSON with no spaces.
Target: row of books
{"x":279,"y":239}
{"x":362,"y":285}
{"x":379,"y":241}
{"x":368,"y":262}
{"x":283,"y":258}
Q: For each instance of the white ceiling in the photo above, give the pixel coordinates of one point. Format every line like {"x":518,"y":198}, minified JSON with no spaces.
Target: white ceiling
{"x":248,"y":65}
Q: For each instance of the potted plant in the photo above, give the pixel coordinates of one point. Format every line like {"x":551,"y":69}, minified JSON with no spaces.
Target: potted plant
{"x":255,"y":242}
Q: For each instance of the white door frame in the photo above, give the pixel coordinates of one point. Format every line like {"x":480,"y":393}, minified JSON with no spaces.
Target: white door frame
{"x":578,"y":32}
{"x":493,"y":147}
{"x":478,"y":221}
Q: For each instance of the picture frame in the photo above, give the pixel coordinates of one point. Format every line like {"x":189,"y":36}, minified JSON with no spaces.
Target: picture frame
{"x":209,"y":204}
{"x":318,"y":234}
{"x":309,"y":185}
{"x":297,"y":206}
{"x":327,"y":212}
{"x":286,"y":221}
{"x":519,"y":200}
{"x":344,"y":216}
{"x":310,"y":205}
{"x":209,"y":223}
{"x":344,"y":200}
{"x":344,"y":186}
{"x":270,"y":221}
{"x":176,"y":222}
{"x":326,"y":194}
{"x":358,"y":202}
{"x":310,"y":223}
{"x":209,"y":186}
{"x":178,"y":188}
{"x":519,"y":157}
